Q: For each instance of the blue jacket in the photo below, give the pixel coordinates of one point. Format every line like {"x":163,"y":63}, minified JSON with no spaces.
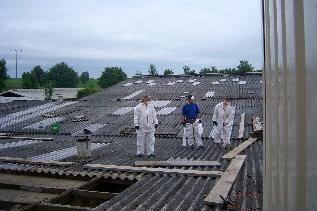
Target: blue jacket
{"x":190,"y":111}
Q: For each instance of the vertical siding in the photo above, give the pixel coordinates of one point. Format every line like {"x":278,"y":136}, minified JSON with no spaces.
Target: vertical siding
{"x":290,"y":104}
{"x":310,"y":8}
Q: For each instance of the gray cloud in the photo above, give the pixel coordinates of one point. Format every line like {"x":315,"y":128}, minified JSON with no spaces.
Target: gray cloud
{"x":90,"y":35}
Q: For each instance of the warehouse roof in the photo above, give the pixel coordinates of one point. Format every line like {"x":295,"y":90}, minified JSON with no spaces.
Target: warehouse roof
{"x":109,"y":114}
{"x":37,"y":94}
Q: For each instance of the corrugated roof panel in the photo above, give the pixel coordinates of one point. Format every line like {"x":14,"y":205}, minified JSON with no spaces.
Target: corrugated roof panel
{"x":133,"y":95}
{"x":160,"y":103}
{"x":123,"y":110}
{"x":41,"y":125}
{"x":166,"y":110}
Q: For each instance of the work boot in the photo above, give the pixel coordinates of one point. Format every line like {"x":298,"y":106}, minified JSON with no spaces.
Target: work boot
{"x":139,"y":155}
{"x":151,"y":155}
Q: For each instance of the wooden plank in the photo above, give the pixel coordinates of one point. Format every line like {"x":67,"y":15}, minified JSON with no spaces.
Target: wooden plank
{"x":154,"y":170}
{"x":224,"y":184}
{"x":57,"y":207}
{"x":39,"y":181}
{"x":34,"y":162}
{"x":177,"y":163}
{"x":23,"y":137}
{"x":35,"y":189}
{"x":239,"y":148}
{"x":22,"y":196}
{"x":241,"y":129}
{"x":94,"y":194}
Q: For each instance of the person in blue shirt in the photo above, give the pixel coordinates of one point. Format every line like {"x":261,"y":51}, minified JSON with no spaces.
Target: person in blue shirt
{"x":191,"y":121}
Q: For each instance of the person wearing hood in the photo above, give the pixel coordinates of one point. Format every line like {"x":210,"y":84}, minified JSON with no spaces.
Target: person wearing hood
{"x":223,"y":120}
{"x":145,"y":122}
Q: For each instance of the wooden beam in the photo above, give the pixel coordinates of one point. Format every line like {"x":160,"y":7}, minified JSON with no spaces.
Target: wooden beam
{"x":23,"y":137}
{"x":241,"y":129}
{"x":22,"y":196}
{"x":94,"y":194}
{"x":34,"y":162}
{"x":239,"y":148}
{"x":57,"y":207}
{"x":224,"y":184}
{"x":30,"y":188}
{"x":177,"y":163}
{"x":154,"y":170}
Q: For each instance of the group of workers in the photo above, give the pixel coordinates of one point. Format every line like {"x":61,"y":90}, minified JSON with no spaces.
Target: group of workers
{"x":145,"y":122}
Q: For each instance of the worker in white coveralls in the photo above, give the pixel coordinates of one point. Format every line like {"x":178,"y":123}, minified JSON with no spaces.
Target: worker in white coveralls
{"x":223,"y":121}
{"x":191,"y":122}
{"x":145,"y":123}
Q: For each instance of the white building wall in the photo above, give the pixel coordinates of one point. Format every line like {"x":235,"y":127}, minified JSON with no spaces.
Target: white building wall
{"x":290,"y":169}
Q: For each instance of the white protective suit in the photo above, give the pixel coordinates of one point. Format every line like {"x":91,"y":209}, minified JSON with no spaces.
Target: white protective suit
{"x":191,"y":131}
{"x":145,"y":118}
{"x":224,"y":118}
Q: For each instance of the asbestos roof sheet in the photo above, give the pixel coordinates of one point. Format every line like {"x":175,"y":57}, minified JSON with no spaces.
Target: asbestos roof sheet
{"x":109,"y":112}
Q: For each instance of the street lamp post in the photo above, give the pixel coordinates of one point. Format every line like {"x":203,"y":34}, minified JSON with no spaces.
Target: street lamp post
{"x":16,"y":63}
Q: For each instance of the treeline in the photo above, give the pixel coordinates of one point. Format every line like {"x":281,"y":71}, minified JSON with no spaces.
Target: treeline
{"x":59,"y":75}
{"x":243,"y":67}
{"x":63,"y":76}
{"x":3,"y":74}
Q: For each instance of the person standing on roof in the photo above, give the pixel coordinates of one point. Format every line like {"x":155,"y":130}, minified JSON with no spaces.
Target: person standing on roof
{"x":191,"y":122}
{"x":145,"y":123}
{"x":223,"y":121}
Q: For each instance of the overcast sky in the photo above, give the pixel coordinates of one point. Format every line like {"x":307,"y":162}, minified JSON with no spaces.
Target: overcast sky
{"x":90,"y":35}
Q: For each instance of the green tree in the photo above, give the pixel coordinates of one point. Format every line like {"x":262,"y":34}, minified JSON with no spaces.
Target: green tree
{"x":3,"y":74}
{"x":138,"y":73}
{"x":48,"y":90}
{"x":214,"y":69}
{"x":29,"y":81}
{"x":34,"y":79}
{"x":62,"y":76}
{"x":228,"y":71}
{"x":188,"y":71}
{"x":152,"y":70}
{"x":111,"y":76}
{"x":168,"y":72}
{"x":89,"y":90}
{"x":84,"y":77}
{"x":205,"y":70}
{"x":39,"y":75}
{"x":245,"y":67}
